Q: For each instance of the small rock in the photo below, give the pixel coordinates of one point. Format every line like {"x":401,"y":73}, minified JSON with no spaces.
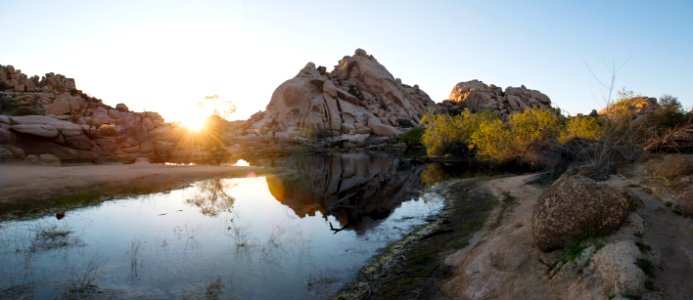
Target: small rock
{"x":122,"y":107}
{"x":49,"y":159}
{"x":32,"y":159}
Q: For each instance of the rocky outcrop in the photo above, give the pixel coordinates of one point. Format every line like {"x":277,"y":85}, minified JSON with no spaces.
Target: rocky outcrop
{"x":359,"y":97}
{"x":576,"y":207}
{"x":50,"y":116}
{"x":477,"y":96}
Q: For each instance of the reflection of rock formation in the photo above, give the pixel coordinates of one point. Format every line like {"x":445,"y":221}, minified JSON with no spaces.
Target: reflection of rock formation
{"x":355,"y":188}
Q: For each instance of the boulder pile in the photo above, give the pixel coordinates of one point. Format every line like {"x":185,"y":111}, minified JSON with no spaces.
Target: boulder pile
{"x":358,"y":103}
{"x":50,"y":116}
{"x":477,"y":96}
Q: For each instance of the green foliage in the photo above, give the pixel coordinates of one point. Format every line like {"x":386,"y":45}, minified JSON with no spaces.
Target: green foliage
{"x":534,"y":129}
{"x":581,"y":127}
{"x":644,"y":248}
{"x":446,"y":134}
{"x":493,"y":141}
{"x":646,"y":266}
{"x":573,"y":251}
{"x":412,"y":137}
{"x":669,"y":114}
{"x":485,"y":135}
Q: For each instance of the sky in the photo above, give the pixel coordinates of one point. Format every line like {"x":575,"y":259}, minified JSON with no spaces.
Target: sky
{"x":166,"y":56}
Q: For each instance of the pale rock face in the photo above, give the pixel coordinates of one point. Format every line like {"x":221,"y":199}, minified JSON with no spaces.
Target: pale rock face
{"x":42,"y":130}
{"x":358,"y":97}
{"x":477,"y":96}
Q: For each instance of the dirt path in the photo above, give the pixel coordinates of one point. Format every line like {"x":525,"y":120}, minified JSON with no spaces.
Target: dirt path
{"x":671,"y":239}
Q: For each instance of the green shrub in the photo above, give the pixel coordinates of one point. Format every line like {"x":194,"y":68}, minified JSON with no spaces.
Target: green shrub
{"x":532,"y":129}
{"x":581,"y":127}
{"x":446,"y":134}
{"x":493,"y":141}
{"x":669,"y":114}
{"x":412,"y":137}
{"x":487,"y":137}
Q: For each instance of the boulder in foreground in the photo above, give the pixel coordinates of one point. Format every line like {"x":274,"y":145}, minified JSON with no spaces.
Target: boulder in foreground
{"x":576,"y":207}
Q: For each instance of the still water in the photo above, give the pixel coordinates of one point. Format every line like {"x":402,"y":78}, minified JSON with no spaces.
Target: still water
{"x":303,"y":235}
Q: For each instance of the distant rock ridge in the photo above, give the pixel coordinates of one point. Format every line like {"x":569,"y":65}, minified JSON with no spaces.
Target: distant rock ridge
{"x":358,"y":102}
{"x":477,"y":96}
{"x":49,"y":115}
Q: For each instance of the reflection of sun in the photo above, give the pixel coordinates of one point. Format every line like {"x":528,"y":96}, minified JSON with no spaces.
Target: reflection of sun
{"x":194,"y":122}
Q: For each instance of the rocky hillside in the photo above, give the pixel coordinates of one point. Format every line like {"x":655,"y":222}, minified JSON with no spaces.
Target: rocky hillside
{"x":358,"y":103}
{"x":48,"y":119}
{"x":476,"y":96}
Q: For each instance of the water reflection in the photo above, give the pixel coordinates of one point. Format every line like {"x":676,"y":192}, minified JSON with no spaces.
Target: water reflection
{"x":212,"y":197}
{"x":356,"y":188}
{"x":222,"y":238}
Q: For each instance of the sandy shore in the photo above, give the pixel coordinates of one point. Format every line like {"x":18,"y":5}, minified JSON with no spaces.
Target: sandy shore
{"x":31,"y":184}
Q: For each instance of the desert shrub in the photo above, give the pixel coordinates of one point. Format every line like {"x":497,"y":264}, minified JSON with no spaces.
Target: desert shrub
{"x":669,"y":114}
{"x":446,"y":134}
{"x":107,"y":130}
{"x":581,"y":127}
{"x":412,"y":137}
{"x":670,"y":167}
{"x":532,"y":129}
{"x":492,"y":141}
{"x":535,"y":128}
{"x":487,"y":137}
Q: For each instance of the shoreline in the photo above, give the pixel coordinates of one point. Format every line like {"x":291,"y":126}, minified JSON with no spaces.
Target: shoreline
{"x":28,"y":188}
{"x":415,"y":266}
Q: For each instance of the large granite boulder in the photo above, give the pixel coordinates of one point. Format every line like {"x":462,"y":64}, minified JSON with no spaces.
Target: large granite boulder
{"x":358,"y":97}
{"x":576,"y":207}
{"x":477,"y":96}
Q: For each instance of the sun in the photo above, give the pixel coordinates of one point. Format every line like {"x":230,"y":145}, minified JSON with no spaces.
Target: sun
{"x":194,"y":122}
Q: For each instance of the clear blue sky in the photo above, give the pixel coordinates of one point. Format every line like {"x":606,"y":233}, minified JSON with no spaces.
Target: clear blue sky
{"x":166,"y":55}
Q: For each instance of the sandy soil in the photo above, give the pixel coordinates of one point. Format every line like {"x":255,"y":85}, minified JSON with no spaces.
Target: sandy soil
{"x":33,"y":184}
{"x":501,"y":261}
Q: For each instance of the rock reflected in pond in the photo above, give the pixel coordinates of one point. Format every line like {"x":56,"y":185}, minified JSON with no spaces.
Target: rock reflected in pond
{"x":358,"y":189}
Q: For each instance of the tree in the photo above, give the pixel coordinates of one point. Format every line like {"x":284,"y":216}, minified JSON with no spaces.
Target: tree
{"x":217,"y":106}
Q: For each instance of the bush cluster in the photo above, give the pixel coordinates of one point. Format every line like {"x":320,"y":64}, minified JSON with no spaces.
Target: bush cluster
{"x":485,"y":136}
{"x":618,"y":133}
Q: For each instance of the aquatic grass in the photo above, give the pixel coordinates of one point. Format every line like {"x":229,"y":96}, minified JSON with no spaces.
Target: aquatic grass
{"x":84,"y":282}
{"x":50,"y":236}
{"x":188,"y":233}
{"x":135,"y":263}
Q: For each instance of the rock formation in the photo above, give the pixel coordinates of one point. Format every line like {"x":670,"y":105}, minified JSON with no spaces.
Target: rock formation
{"x":356,"y":103}
{"x":51,"y":116}
{"x":576,"y":207}
{"x":477,"y":96}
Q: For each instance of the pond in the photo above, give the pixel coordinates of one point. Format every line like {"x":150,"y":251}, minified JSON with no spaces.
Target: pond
{"x":301,"y":235}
